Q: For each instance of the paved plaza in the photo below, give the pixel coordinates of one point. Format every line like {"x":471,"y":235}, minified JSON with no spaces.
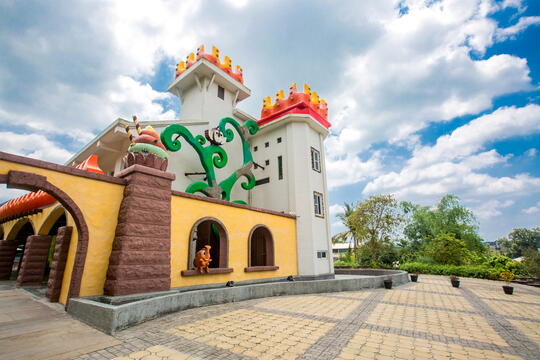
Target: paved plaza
{"x":425,"y":320}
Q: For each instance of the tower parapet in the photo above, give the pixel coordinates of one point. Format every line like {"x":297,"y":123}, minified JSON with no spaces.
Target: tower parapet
{"x":306,"y":102}
{"x":213,"y":57}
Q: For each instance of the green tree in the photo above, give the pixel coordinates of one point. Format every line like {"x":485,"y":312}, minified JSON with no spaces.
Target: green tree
{"x":522,"y":239}
{"x":374,"y":224}
{"x":448,"y":217}
{"x":446,"y":249}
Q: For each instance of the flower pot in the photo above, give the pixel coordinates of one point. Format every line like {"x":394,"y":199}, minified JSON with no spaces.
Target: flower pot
{"x":387,"y":284}
{"x":455,"y":283}
{"x":414,"y":277}
{"x":508,"y":290}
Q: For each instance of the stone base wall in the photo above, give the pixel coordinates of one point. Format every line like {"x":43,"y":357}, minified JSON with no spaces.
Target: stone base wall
{"x":7,"y":256}
{"x":58,"y":265}
{"x":140,"y":260}
{"x":34,"y":260}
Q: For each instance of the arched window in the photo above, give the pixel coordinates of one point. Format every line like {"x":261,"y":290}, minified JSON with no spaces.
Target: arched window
{"x":261,"y":250}
{"x":209,"y":231}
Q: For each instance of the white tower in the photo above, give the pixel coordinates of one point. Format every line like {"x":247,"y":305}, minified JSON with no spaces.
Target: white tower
{"x":209,"y":90}
{"x":290,"y":147}
{"x":208,"y":93}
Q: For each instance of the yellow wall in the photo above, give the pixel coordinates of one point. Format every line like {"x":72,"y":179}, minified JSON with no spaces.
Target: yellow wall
{"x":99,"y":202}
{"x":238,"y":223}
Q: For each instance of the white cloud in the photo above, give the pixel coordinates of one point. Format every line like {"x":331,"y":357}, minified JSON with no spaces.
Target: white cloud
{"x":350,"y":169}
{"x":455,"y":162}
{"x":491,"y":208}
{"x":421,"y":71}
{"x":81,"y":65}
{"x":511,"y":31}
{"x":531,"y":152}
{"x":503,"y":123}
{"x":336,"y":209}
{"x":33,"y":145}
{"x":532,"y":210}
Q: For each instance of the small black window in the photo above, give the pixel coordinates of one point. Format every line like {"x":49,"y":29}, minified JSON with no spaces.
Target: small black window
{"x":278,"y":140}
{"x":280,"y":167}
{"x":221,"y":92}
{"x":318,"y":204}
{"x":321,"y":254}
{"x":262,"y":181}
{"x":267,"y":162}
{"x":315,"y":160}
{"x":266,"y":144}
{"x":255,"y":148}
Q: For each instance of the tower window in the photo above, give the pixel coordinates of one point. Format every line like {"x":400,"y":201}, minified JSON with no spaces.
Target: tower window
{"x":318,"y":204}
{"x":278,"y":140}
{"x":315,"y":160}
{"x":267,"y":162}
{"x":266,"y":144}
{"x":255,"y":148}
{"x":221,"y":92}
{"x":280,"y":167}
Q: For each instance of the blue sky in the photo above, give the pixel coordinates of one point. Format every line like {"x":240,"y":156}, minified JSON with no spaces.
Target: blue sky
{"x":425,"y":97}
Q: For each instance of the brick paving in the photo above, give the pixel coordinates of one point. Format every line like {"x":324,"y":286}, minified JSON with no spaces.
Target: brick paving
{"x":425,"y":320}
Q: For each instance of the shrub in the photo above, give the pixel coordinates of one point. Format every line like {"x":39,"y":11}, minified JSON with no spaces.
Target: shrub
{"x":475,"y":271}
{"x":506,"y":276}
{"x":345,"y":263}
{"x":446,"y":249}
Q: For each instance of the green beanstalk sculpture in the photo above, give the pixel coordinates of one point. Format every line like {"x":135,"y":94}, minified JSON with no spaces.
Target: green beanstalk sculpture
{"x":214,"y":156}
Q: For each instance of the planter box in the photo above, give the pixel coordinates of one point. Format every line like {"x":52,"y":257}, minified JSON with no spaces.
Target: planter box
{"x":387,"y":284}
{"x":455,"y":283}
{"x":508,"y":290}
{"x":414,"y":277}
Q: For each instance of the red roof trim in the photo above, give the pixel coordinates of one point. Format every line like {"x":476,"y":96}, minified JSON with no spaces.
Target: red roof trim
{"x":298,"y":108}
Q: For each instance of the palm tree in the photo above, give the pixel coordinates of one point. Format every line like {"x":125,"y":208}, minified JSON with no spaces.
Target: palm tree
{"x":345,"y":218}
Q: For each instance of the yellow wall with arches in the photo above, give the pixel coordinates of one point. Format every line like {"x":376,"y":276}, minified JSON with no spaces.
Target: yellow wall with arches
{"x":99,"y":202}
{"x":238,"y":223}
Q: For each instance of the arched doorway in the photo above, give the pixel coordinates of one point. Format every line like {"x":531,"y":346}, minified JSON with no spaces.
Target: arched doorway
{"x":261,"y":247}
{"x":209,"y":231}
{"x":20,"y":233}
{"x":33,"y":182}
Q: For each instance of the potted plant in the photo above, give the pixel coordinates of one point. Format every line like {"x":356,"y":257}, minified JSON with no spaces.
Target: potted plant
{"x":455,"y":281}
{"x":507,"y":276}
{"x":388,"y":282}
{"x":414,"y":277}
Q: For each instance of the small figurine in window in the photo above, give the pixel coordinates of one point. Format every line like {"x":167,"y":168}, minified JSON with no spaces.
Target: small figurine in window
{"x":202,"y":259}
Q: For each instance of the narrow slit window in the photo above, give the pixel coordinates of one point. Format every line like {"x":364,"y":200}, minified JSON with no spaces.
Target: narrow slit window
{"x":221,"y":92}
{"x":280,"y":167}
{"x":315,"y":160}
{"x":318,"y":204}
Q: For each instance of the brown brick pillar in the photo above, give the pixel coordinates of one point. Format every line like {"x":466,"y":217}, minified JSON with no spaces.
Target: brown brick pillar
{"x":140,"y":260}
{"x":58,"y":265}
{"x":7,"y":257}
{"x":34,"y":260}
